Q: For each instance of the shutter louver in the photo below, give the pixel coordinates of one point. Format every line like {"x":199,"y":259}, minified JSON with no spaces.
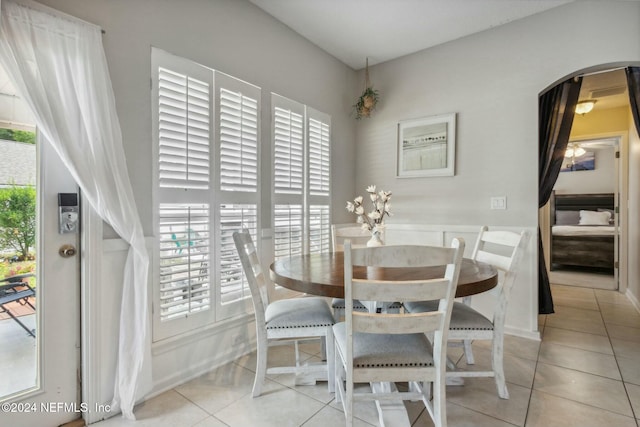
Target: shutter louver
{"x":233,"y":283}
{"x":183,"y":120}
{"x":319,"y":158}
{"x":288,"y":152}
{"x":238,"y":142}
{"x":319,"y":229}
{"x":288,"y":230}
{"x":184,"y":260}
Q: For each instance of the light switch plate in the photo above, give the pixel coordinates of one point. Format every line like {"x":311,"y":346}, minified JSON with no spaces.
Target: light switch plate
{"x":499,"y":202}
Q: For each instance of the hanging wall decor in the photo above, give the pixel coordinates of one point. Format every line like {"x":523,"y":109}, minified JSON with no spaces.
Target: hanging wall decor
{"x":369,"y":98}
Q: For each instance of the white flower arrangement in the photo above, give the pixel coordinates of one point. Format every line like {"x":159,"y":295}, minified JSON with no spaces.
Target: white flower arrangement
{"x":374,"y":220}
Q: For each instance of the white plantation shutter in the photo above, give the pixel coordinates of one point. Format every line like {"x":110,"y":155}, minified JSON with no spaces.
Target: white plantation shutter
{"x":184,"y":118}
{"x":184,"y":260}
{"x":233,"y":283}
{"x":301,"y":178}
{"x":319,"y":158}
{"x":319,"y":174}
{"x":319,"y":229}
{"x":288,"y":146}
{"x":238,"y":199}
{"x":238,"y":141}
{"x":288,"y":233}
{"x":207,"y":151}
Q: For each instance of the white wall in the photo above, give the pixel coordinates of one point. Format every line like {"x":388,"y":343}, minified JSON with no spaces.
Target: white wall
{"x":600,"y":180}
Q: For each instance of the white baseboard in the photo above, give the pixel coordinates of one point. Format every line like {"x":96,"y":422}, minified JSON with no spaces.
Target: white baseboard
{"x":633,"y":299}
{"x":530,"y":335}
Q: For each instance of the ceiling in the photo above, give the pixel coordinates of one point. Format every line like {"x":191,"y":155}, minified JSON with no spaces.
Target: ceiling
{"x":382,"y":30}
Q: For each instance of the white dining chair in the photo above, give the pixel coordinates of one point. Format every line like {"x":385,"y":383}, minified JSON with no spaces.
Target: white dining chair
{"x":284,"y":322}
{"x":358,"y":238}
{"x":502,"y":249}
{"x":393,"y":347}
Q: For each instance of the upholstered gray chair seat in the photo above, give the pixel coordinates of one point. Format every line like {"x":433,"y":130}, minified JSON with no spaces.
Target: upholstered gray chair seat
{"x":297,"y":313}
{"x":463,"y":317}
{"x":385,"y":350}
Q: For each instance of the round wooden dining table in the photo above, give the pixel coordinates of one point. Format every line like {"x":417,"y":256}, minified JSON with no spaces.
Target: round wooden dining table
{"x":323,"y":274}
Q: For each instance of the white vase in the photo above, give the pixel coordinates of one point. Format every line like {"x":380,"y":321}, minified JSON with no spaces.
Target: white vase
{"x":376,"y":239}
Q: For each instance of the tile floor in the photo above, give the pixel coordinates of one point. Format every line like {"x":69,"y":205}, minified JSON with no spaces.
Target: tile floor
{"x":585,"y":372}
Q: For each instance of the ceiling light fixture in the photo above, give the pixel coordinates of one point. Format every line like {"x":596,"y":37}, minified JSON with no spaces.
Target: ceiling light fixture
{"x":574,"y":150}
{"x":583,"y":107}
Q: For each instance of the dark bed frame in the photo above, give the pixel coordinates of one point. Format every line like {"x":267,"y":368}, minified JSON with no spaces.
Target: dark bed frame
{"x":592,"y":252}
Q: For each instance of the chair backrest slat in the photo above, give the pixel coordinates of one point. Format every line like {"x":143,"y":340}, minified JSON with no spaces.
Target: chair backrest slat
{"x":355,"y":233}
{"x":398,"y":324}
{"x":502,"y":249}
{"x":253,"y":272}
{"x":411,"y":290}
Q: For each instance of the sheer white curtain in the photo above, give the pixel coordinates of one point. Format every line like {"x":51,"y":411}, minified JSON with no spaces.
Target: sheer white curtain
{"x":58,"y":65}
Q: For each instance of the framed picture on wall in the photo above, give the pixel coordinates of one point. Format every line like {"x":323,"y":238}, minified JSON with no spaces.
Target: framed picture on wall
{"x":427,"y":146}
{"x":585,"y":162}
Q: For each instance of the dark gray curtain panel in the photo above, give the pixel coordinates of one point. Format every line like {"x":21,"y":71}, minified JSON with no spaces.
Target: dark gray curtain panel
{"x":556,"y":109}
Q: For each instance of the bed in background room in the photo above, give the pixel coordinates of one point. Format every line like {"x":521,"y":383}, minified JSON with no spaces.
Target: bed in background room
{"x":583,"y":231}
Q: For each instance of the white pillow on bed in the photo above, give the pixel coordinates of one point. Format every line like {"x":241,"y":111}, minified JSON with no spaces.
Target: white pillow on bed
{"x":594,"y":218}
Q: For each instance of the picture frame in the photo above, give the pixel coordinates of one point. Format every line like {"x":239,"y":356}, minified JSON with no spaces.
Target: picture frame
{"x":586,"y":162}
{"x":427,"y":146}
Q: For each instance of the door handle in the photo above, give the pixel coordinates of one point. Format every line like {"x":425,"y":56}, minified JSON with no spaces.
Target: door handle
{"x":67,"y":251}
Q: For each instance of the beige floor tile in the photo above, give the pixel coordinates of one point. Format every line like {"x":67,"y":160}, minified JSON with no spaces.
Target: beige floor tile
{"x":168,"y":409}
{"x":572,"y":292}
{"x":634,"y":396}
{"x":516,"y":370}
{"x":479,"y":394}
{"x":581,"y":387}
{"x":365,"y":411}
{"x":630,"y":369}
{"x":329,"y":416}
{"x":576,"y":319}
{"x":515,"y":346}
{"x":582,"y":280}
{"x":546,"y":410}
{"x":611,"y":297}
{"x":582,"y":340}
{"x":210,"y":422}
{"x":581,"y":360}
{"x":624,"y":348}
{"x":459,"y":416}
{"x":591,"y":305}
{"x":574,"y":297}
{"x":626,"y":333}
{"x":625,"y":316}
{"x":268,"y":410}
{"x":218,"y":388}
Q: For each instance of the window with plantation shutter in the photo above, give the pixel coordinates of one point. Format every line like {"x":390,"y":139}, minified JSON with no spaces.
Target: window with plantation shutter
{"x":207,"y":151}
{"x":301,"y":183}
